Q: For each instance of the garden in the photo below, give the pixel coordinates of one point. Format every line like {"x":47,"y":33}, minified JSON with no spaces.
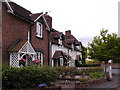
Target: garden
{"x":58,"y":77}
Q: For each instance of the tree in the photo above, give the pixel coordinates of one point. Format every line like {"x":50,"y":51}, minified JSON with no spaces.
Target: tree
{"x":84,"y":54}
{"x":104,"y":47}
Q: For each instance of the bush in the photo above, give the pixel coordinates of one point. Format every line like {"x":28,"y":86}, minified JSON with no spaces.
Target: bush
{"x":88,"y":65}
{"x":75,"y":71}
{"x":28,"y":77}
{"x":68,"y":70}
{"x":96,"y":75}
{"x":83,"y":79}
{"x":91,"y":70}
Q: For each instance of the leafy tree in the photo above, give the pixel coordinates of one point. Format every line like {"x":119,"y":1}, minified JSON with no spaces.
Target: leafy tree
{"x":104,"y":47}
{"x":84,"y":54}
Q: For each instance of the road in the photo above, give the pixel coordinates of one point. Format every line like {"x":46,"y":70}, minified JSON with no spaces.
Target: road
{"x":111,"y":85}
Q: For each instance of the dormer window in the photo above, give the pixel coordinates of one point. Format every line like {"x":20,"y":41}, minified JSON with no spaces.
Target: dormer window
{"x":39,"y":30}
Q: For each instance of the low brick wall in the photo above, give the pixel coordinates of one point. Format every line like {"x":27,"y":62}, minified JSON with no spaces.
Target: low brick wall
{"x":114,"y":65}
{"x":88,"y":84}
{"x":45,"y":88}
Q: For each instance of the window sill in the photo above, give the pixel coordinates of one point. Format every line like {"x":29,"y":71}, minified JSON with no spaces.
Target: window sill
{"x":39,"y":36}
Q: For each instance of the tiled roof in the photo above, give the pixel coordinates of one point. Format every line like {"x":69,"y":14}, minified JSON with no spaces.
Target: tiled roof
{"x":20,"y":11}
{"x":17,"y":46}
{"x":24,"y":13}
{"x":60,"y":53}
{"x":57,"y":54}
{"x":76,"y":48}
{"x":54,"y":36}
{"x":67,"y":40}
{"x":35,"y":16}
{"x":66,"y":45}
{"x":38,"y":50}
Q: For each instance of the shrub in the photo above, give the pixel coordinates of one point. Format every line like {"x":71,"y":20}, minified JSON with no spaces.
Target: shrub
{"x":96,"y":75}
{"x":28,"y":77}
{"x":91,"y":70}
{"x":68,"y":70}
{"x":75,"y":71}
{"x":88,"y":65}
{"x":83,"y":79}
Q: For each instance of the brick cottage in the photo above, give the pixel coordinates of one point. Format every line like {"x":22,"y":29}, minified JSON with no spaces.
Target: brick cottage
{"x":30,"y":36}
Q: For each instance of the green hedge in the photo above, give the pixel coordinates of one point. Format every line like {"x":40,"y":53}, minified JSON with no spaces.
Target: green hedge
{"x":88,"y":65}
{"x":28,"y":77}
{"x":96,"y":75}
{"x":75,"y":71}
{"x":117,"y":60}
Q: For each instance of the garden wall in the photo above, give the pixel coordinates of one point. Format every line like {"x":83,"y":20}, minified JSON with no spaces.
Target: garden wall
{"x":88,"y":84}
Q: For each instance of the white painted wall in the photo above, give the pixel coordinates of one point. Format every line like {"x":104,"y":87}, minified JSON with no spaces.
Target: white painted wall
{"x":72,"y":53}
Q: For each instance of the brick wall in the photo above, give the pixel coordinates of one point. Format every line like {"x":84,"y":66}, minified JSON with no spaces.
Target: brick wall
{"x":41,"y":43}
{"x":14,"y":28}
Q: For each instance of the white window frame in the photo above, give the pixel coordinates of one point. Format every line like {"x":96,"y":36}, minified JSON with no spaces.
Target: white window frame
{"x":39,"y":30}
{"x":61,"y":61}
{"x":39,"y":56}
{"x":60,"y":41}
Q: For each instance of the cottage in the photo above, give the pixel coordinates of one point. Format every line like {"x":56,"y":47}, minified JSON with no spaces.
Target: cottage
{"x":65,"y":49}
{"x":19,"y":25}
{"x":29,"y":37}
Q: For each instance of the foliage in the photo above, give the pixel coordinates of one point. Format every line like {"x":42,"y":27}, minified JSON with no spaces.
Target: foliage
{"x":92,"y":62}
{"x":96,"y":75}
{"x":28,"y":77}
{"x":83,"y":79}
{"x":84,"y":54}
{"x":88,"y":65}
{"x":91,"y":70}
{"x":67,"y":70}
{"x":116,"y":60}
{"x":104,"y":47}
{"x":75,"y":71}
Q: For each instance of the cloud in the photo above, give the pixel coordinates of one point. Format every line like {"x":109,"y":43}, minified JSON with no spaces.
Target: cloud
{"x":85,"y":40}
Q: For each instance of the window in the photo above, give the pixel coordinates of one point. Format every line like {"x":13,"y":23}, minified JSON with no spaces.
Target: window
{"x":40,"y":57}
{"x":39,"y":29}
{"x":60,"y":41}
{"x":61,"y":61}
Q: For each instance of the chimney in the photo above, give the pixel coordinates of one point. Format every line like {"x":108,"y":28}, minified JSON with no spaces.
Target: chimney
{"x":48,"y":19}
{"x":68,"y":32}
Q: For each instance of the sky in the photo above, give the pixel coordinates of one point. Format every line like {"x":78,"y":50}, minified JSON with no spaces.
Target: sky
{"x":85,"y":18}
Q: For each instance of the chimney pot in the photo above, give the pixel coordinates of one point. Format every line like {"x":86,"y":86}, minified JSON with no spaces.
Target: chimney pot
{"x":68,"y":32}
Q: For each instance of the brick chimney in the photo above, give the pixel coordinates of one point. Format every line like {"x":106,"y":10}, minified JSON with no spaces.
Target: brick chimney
{"x":49,"y":19}
{"x":68,"y":32}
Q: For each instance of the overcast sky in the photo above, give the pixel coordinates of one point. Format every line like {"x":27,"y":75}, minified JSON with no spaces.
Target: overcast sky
{"x":85,"y":18}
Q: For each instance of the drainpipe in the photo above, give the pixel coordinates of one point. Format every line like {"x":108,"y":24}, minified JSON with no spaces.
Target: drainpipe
{"x":30,"y":30}
{"x":49,"y":49}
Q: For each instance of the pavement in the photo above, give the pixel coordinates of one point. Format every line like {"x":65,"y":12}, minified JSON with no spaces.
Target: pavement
{"x":114,"y":84}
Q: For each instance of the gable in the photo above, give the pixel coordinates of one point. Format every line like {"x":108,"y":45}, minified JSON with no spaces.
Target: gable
{"x":27,"y":48}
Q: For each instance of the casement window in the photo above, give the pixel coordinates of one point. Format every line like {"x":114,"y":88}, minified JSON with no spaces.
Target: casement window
{"x":60,"y":41}
{"x":39,"y":56}
{"x":61,"y":61}
{"x":39,"y":30}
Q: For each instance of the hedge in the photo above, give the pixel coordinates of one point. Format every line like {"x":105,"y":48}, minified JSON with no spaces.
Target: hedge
{"x":88,"y":65}
{"x":75,"y":71}
{"x":28,"y":77}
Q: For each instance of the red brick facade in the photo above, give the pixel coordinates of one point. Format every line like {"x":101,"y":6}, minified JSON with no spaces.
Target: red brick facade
{"x":14,"y":28}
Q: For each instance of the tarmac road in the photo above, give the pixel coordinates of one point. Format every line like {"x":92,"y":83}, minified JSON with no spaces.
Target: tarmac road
{"x":110,"y":85}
